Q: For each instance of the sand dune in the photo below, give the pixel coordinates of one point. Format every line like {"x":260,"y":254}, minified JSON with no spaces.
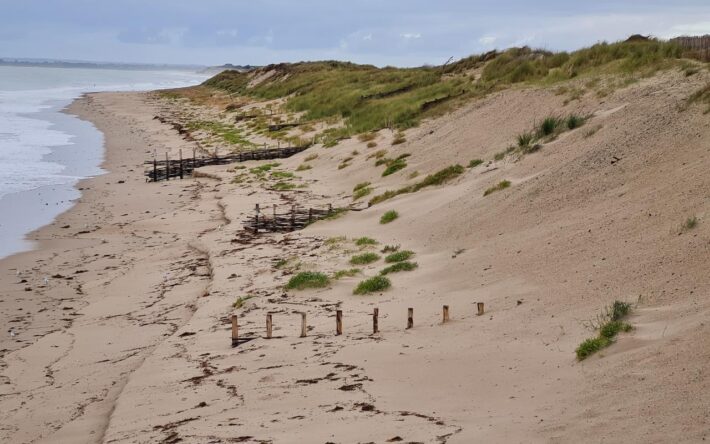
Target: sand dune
{"x":129,"y":341}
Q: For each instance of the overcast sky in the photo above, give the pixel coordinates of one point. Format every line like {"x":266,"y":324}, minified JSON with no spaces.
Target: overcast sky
{"x":381,"y":32}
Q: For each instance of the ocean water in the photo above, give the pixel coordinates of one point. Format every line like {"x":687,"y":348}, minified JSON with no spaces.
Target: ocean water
{"x":44,"y":152}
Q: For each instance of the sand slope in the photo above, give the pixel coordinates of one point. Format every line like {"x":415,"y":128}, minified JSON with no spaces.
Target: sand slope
{"x":142,"y":354}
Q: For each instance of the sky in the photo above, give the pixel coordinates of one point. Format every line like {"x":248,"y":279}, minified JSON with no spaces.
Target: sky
{"x":379,"y":32}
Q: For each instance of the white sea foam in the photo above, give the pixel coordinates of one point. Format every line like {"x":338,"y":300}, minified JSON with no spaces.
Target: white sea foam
{"x":39,"y":147}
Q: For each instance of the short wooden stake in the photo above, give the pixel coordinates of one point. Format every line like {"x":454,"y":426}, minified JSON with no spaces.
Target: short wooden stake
{"x":338,"y":322}
{"x":330,"y":209}
{"x":269,"y":326}
{"x":293,"y":217}
{"x":181,"y":169}
{"x":410,"y":318}
{"x":375,"y":323}
{"x":155,"y":169}
{"x":167,"y":167}
{"x":194,"y":151}
{"x":235,"y":331}
{"x":310,"y":215}
{"x":480,"y":308}
{"x":446,"y":314}
{"x":304,"y":328}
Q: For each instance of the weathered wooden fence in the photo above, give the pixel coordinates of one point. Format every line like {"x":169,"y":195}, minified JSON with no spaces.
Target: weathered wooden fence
{"x":295,"y":218}
{"x":178,"y":168}
{"x":237,"y":339}
{"x":700,"y":45}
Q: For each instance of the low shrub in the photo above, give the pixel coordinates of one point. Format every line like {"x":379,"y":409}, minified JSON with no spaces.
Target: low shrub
{"x":689,"y":223}
{"x":373,"y":285}
{"x":371,"y":144}
{"x":303,"y":167}
{"x":399,"y":266}
{"x":364,"y":259}
{"x":399,"y":139}
{"x":549,"y":125}
{"x":389,"y":217}
{"x":474,"y":163}
{"x":390,"y":248}
{"x":308,"y":279}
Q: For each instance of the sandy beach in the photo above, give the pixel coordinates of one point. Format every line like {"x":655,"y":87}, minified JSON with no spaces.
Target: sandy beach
{"x":121,"y":314}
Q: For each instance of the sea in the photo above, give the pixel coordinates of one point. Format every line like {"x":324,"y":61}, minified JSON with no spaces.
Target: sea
{"x":45,"y":152}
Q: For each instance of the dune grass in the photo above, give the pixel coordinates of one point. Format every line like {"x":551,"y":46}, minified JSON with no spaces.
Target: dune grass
{"x":398,"y":267}
{"x":609,"y":324}
{"x":438,"y":178}
{"x":346,"y":273}
{"x":498,"y":187}
{"x":365,"y":241}
{"x":475,"y":162}
{"x":389,"y":217}
{"x":364,"y":258}
{"x":308,"y":279}
{"x":373,"y":285}
{"x":399,"y":256}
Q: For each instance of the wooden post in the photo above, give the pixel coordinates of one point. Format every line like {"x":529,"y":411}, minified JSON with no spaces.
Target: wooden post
{"x":304,"y":328}
{"x":193,"y":158}
{"x":338,"y":322}
{"x":310,"y":215}
{"x":293,"y":217}
{"x":446,"y":314}
{"x":215,"y":152}
{"x":410,"y":318}
{"x":181,"y":170}
{"x":155,"y":169}
{"x":330,"y":209}
{"x":375,"y":326}
{"x":269,"y":326}
{"x":167,"y":167}
{"x":480,"y":308}
{"x":274,"y":223}
{"x":235,"y":331}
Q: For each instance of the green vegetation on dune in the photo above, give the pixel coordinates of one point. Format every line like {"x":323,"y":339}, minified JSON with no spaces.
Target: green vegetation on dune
{"x":368,"y":98}
{"x":362,"y":99}
{"x":609,"y":324}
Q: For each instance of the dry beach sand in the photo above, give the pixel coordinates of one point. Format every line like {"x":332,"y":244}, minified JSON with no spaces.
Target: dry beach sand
{"x":128,"y":339}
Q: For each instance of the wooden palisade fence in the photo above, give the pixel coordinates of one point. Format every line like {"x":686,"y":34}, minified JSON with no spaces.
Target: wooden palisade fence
{"x":294,"y":219}
{"x":158,"y":170}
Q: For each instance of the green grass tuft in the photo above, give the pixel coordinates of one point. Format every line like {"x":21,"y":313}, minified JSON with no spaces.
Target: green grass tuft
{"x":364,"y":241}
{"x":689,"y":223}
{"x":394,"y":166}
{"x":308,"y":279}
{"x":474,"y":163}
{"x":399,"y":266}
{"x":574,"y":121}
{"x":389,"y":217}
{"x":241,"y":300}
{"x":364,"y":259}
{"x":500,"y":186}
{"x":525,"y":139}
{"x":609,"y":325}
{"x":373,"y":285}
{"x":346,"y":273}
{"x":399,"y":256}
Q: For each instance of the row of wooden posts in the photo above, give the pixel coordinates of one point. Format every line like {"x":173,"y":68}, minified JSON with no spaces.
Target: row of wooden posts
{"x":297,"y":218}
{"x":166,"y":169}
{"x":339,"y":322}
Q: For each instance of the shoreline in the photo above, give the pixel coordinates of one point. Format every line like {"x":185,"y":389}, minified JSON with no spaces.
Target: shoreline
{"x":73,"y":260}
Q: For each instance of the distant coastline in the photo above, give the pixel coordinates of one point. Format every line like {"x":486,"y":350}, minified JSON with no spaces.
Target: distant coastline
{"x":52,"y":63}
